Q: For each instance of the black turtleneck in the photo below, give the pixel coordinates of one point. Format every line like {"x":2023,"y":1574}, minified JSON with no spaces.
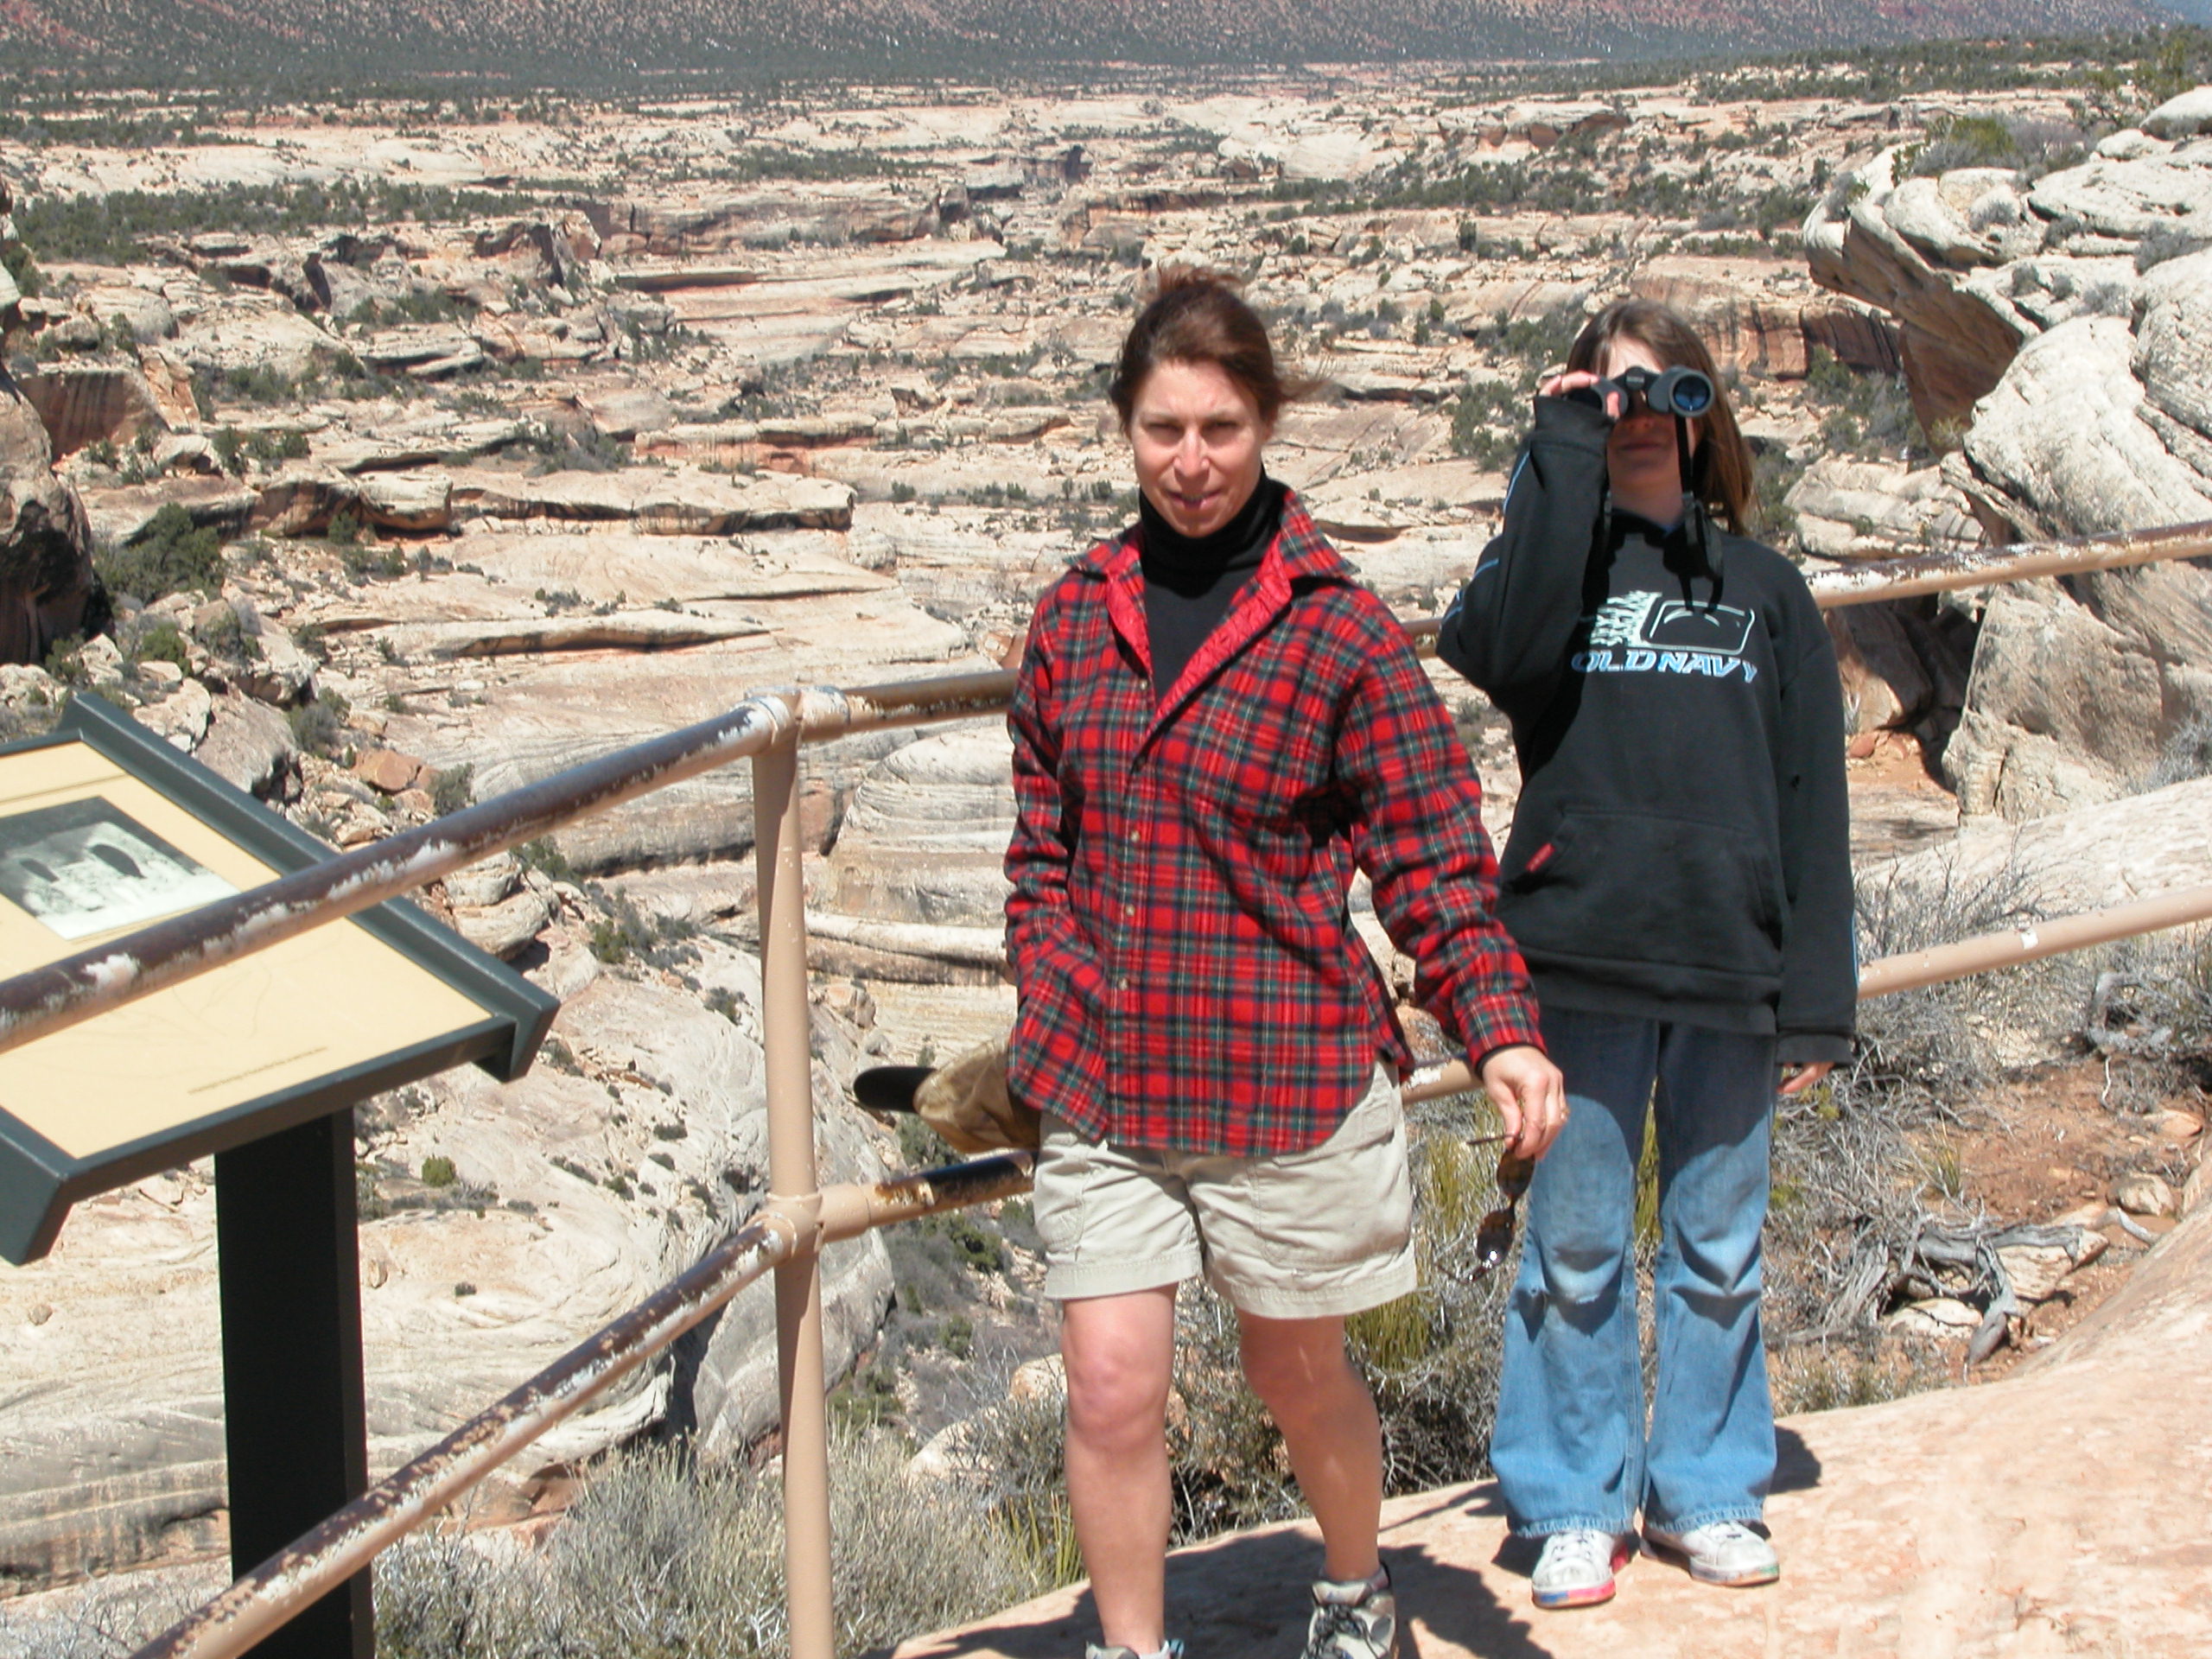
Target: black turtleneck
{"x":1189,"y":584}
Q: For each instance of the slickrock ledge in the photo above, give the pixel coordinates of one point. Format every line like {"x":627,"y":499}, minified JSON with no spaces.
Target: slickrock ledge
{"x":2052,"y":1512}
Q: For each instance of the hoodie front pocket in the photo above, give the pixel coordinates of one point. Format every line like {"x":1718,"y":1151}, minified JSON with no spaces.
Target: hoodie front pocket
{"x":1635,"y":887}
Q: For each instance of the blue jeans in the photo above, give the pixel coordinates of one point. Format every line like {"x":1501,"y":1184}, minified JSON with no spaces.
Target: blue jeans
{"x":1570,"y":1447}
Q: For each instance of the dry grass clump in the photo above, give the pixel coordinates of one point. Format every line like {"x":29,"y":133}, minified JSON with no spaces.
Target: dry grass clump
{"x":2149,"y":1016}
{"x":106,"y":1619}
{"x":665,"y":1559}
{"x":1848,"y":1170}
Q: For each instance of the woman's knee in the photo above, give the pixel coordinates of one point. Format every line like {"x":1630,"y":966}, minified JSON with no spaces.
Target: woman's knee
{"x":1116,"y":1395}
{"x":1296,"y":1366}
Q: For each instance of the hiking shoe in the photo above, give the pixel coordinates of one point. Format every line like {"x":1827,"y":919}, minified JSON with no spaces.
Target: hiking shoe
{"x":1720,"y":1551}
{"x":1353,"y":1618}
{"x":1171,"y":1650}
{"x":1577,"y":1567}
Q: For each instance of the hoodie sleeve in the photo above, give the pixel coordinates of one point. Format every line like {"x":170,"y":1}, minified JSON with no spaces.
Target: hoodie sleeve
{"x":1511,"y":627}
{"x":1819,"y":973}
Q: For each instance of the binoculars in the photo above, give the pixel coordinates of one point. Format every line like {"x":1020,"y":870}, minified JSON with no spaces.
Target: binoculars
{"x":1670,"y":391}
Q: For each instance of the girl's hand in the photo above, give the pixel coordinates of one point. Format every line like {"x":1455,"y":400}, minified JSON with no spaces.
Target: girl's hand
{"x":1559,"y":385}
{"x":1797,"y":1079}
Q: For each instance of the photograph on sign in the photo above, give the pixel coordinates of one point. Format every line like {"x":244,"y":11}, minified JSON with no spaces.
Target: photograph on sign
{"x":87,"y":867}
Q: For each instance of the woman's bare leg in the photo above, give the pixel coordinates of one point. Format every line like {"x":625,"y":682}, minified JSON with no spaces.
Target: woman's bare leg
{"x":1302,"y":1375}
{"x":1120,"y":1353}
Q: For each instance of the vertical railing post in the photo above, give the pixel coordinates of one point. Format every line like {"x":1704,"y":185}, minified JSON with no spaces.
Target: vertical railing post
{"x":786,"y":1042}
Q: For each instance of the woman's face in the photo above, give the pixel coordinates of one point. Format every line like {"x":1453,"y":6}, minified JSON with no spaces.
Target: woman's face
{"x":1196,"y":435}
{"x":1640,"y":460}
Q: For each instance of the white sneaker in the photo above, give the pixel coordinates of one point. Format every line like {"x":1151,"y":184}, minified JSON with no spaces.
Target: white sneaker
{"x":1720,"y":1551}
{"x":1577,"y":1567}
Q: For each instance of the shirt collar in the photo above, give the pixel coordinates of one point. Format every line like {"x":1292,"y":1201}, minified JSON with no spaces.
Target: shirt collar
{"x":1298,"y":551}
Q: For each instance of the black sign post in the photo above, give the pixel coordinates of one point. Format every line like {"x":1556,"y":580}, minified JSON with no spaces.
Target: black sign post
{"x":258,"y":1062}
{"x":294,"y":1420}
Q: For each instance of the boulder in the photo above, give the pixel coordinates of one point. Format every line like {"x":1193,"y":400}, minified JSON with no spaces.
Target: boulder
{"x":1903,"y":669}
{"x":1852,"y":509}
{"x":2089,"y":858}
{"x":249,"y":744}
{"x":2113,"y":205}
{"x":623,"y":411}
{"x":122,"y":515}
{"x":246,"y":332}
{"x":2061,"y":711}
{"x":2187,"y":116}
{"x":924,"y":838}
{"x":1970,"y":216}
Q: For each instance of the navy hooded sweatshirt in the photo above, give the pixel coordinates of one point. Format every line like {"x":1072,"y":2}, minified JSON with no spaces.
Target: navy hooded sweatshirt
{"x":1682,"y":847}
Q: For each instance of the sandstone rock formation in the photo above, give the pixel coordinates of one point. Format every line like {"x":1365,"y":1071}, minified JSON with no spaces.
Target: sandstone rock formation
{"x":2063,"y":317}
{"x":46,"y":572}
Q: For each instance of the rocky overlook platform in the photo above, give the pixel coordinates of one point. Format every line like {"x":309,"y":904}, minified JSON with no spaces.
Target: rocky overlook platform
{"x":2056,"y":1511}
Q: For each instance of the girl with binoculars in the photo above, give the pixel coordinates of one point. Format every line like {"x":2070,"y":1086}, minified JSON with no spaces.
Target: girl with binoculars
{"x":1678,"y":880}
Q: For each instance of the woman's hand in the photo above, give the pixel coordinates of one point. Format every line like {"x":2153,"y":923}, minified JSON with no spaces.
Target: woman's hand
{"x":1797,"y":1079}
{"x":1530,"y":1097}
{"x":1559,"y":385}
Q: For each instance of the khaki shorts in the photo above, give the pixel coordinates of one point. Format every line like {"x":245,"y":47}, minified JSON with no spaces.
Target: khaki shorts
{"x":1305,"y":1235}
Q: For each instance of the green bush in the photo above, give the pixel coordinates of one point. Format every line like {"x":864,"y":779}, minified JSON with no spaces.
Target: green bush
{"x":161,"y":642}
{"x":171,"y":555}
{"x":30,"y":281}
{"x":438,"y":1172}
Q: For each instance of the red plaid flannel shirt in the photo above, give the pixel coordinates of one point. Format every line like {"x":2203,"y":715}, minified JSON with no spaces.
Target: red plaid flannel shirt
{"x":1189,"y":973}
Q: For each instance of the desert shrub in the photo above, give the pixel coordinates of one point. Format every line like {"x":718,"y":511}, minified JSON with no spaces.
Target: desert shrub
{"x":1487,"y":419}
{"x":452,"y":789}
{"x":1965,"y":141}
{"x":664,"y":1557}
{"x":108,"y":1619}
{"x":1849,"y":1170}
{"x":2187,"y":755}
{"x":161,"y":642}
{"x":1862,"y":414}
{"x":170,"y":556}
{"x":319,"y":726}
{"x":2150,"y":1018}
{"x":30,"y":281}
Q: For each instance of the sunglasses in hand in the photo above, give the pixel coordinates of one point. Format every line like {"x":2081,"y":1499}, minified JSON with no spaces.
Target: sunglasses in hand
{"x":1494,"y":1233}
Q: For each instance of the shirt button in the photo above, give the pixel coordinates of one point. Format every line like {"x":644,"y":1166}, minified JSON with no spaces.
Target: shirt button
{"x":1122,"y":983}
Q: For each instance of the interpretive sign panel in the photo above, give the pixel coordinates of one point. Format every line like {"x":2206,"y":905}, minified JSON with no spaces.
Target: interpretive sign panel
{"x":103,"y":829}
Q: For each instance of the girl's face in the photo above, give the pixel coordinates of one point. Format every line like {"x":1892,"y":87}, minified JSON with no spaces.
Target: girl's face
{"x":1640,"y":461}
{"x":1197,"y":435}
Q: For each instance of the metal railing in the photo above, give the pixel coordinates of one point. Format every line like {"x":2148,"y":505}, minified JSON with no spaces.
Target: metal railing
{"x":786,"y":1234}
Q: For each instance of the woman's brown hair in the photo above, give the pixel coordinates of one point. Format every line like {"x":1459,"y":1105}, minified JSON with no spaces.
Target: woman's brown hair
{"x":1721,"y":473}
{"x":1195,"y":315}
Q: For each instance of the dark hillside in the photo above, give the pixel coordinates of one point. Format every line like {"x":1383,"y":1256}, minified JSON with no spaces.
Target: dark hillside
{"x":602,"y":41}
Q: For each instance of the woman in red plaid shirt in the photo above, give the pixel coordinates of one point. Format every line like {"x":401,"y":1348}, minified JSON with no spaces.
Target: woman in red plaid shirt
{"x":1214,"y":726}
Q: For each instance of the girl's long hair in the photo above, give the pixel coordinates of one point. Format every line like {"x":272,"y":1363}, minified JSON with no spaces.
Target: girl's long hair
{"x":1720,"y":471}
